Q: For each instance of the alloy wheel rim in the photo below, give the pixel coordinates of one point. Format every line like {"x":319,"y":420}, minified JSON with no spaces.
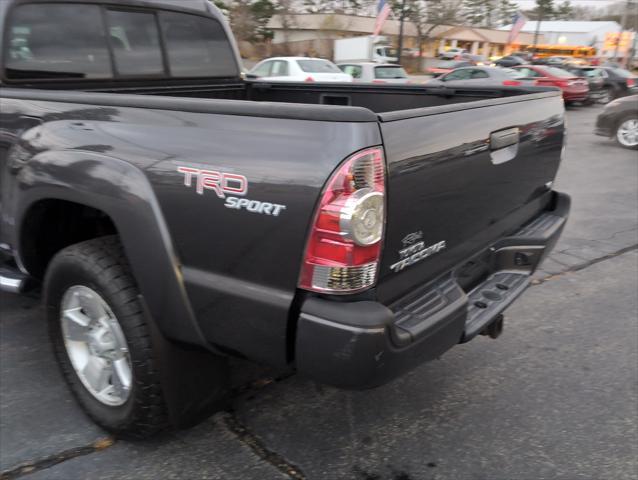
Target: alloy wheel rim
{"x":627,"y":133}
{"x":96,"y":345}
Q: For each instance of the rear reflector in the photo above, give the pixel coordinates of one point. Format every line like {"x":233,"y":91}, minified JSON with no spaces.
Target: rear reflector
{"x":344,"y":244}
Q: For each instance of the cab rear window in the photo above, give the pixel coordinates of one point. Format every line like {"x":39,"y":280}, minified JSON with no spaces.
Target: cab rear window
{"x":197,"y":46}
{"x":104,"y":43}
{"x":43,"y":44}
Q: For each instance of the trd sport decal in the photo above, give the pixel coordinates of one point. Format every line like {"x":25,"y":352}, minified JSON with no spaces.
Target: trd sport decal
{"x":224,"y":184}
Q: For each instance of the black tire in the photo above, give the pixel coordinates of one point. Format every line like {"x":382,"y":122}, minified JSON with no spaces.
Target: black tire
{"x":609,"y":96}
{"x":630,"y":116}
{"x":101,"y":265}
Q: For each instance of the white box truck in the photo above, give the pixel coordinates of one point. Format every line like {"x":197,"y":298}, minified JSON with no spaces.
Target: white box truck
{"x":364,"y":49}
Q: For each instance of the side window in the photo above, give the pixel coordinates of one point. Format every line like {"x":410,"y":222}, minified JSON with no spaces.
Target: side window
{"x":463,"y":74}
{"x":197,"y":46}
{"x":354,"y":70}
{"x":135,"y":41}
{"x":476,"y":74}
{"x":279,"y":69}
{"x":263,"y":70}
{"x":528,"y":72}
{"x":56,"y":41}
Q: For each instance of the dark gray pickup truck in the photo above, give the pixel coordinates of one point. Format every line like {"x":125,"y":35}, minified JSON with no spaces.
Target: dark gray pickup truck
{"x":175,"y":215}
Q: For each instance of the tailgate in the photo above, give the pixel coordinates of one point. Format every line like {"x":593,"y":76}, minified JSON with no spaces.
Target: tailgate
{"x":460,"y":177}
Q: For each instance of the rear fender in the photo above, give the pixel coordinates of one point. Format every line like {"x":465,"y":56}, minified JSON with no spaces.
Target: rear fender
{"x":123,"y":193}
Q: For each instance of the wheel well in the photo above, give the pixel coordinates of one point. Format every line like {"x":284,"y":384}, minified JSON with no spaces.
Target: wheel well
{"x":51,"y":225}
{"x":623,"y":117}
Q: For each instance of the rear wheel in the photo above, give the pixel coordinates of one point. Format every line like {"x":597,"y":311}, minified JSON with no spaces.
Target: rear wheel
{"x":606,"y":96}
{"x":627,"y":132}
{"x":101,"y":339}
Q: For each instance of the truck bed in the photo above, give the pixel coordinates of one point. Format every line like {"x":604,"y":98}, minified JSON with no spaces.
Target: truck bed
{"x":443,"y":181}
{"x":377,"y":99}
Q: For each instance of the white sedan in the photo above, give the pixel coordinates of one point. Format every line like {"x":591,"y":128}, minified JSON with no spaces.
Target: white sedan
{"x":365,"y":72}
{"x":298,"y":69}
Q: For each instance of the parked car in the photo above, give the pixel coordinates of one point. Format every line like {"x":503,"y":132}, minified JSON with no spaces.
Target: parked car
{"x":471,"y":76}
{"x":527,"y":56}
{"x":558,"y":60}
{"x":451,"y":53}
{"x":510,"y":61}
{"x":595,"y":80}
{"x":446,"y":66}
{"x":298,"y":69}
{"x":476,"y":59}
{"x":618,"y":82}
{"x":619,"y":120}
{"x":411,"y":53}
{"x":177,"y":219}
{"x":574,"y":89}
{"x":375,"y":73}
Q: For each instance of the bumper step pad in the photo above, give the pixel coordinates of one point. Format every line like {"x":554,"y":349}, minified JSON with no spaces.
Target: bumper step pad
{"x":490,"y":298}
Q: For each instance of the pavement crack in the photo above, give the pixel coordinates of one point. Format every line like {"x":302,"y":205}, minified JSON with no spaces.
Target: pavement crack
{"x":584,"y":265}
{"x":55,"y":459}
{"x":255,"y":386}
{"x":253,"y":442}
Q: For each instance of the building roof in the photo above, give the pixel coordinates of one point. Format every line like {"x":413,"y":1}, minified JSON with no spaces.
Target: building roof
{"x":564,"y":26}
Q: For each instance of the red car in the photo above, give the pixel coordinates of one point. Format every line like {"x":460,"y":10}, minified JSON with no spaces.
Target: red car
{"x":574,"y":89}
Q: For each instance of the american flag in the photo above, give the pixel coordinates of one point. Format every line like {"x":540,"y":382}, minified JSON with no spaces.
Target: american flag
{"x":518,"y":21}
{"x":383,"y":11}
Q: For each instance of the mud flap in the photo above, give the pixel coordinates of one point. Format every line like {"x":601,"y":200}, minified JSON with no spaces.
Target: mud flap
{"x":195,"y":382}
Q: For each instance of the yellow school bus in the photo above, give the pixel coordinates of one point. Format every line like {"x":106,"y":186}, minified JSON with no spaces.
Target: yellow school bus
{"x":561,"y":50}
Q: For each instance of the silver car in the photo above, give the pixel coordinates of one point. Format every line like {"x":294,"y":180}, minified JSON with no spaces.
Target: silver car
{"x":488,"y":76}
{"x":375,"y":72}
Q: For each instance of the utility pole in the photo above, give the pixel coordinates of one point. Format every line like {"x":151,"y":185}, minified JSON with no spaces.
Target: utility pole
{"x":541,"y":11}
{"x":623,"y":21}
{"x":402,"y":17}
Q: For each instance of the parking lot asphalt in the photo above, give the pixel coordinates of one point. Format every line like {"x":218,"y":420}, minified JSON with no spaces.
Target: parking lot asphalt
{"x":556,"y":397}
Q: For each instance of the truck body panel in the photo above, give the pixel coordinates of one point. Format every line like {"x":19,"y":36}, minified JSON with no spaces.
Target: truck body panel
{"x":213,"y":183}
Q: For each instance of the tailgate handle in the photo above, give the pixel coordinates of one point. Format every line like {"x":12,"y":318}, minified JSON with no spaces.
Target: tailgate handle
{"x":504,"y":138}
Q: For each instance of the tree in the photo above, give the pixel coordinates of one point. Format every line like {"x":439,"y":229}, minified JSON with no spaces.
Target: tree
{"x":426,"y":15}
{"x":489,"y":13}
{"x":479,"y":13}
{"x":564,"y":11}
{"x":506,"y":11}
{"x":248,"y":18}
{"x":544,"y":10}
{"x":350,"y":7}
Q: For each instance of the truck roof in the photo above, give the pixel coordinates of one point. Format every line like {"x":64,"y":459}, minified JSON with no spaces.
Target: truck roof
{"x":203,"y":6}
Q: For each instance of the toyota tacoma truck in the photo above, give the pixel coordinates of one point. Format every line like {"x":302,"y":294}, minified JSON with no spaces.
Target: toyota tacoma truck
{"x":175,"y":215}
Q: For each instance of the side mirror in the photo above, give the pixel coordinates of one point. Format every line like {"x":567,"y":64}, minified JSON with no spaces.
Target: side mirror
{"x":251,"y":76}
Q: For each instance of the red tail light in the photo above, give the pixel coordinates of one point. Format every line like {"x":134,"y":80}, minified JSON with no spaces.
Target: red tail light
{"x":309,"y":80}
{"x":631,"y":82}
{"x":344,"y":245}
{"x":511,"y":83}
